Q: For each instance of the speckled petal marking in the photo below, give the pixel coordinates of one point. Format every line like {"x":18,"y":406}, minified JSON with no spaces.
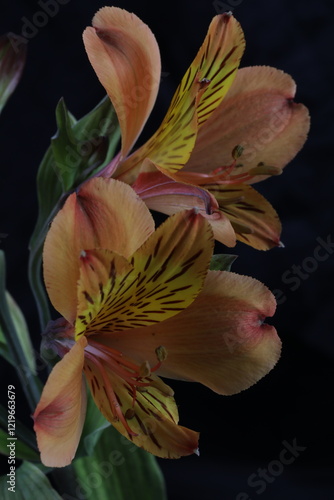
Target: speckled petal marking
{"x":201,"y":90}
{"x":163,"y":277}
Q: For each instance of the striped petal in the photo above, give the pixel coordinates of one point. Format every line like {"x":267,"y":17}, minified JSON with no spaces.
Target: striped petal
{"x":60,"y":414}
{"x":125,"y":56}
{"x":104,"y":213}
{"x":221,"y":340}
{"x":166,"y":274}
{"x":253,"y":219}
{"x":259,"y":114}
{"x":201,"y":90}
{"x":147,"y":415}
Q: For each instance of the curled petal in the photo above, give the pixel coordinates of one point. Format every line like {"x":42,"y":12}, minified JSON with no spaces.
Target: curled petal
{"x":157,"y":185}
{"x":165,"y":195}
{"x":125,"y":56}
{"x":221,"y":340}
{"x":201,"y":90}
{"x":105,"y":213}
{"x":60,"y":414}
{"x":259,"y":114}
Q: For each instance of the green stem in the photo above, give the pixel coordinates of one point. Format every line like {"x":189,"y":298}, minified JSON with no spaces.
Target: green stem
{"x":21,"y":431}
{"x":31,"y":384}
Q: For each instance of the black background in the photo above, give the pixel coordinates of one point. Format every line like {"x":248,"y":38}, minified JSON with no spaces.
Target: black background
{"x":242,"y":433}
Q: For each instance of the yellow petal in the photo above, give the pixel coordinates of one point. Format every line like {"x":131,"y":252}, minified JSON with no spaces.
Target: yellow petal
{"x":105,"y":213}
{"x":259,"y":114}
{"x":167,"y":273}
{"x":254,"y":220}
{"x":125,"y":56}
{"x":149,"y":420}
{"x":201,"y":90}
{"x":60,"y":414}
{"x":219,"y":341}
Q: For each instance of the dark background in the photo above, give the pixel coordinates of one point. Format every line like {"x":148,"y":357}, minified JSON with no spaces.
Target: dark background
{"x":242,"y":433}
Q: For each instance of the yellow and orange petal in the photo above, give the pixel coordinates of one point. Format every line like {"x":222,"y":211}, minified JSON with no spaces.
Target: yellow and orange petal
{"x":163,"y":278}
{"x":104,"y":213}
{"x":60,"y":413}
{"x":220,"y":340}
{"x":253,"y":219}
{"x":201,"y":90}
{"x":126,"y":58}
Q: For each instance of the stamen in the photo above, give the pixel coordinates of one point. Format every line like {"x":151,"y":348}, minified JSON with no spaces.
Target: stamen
{"x":130,"y":413}
{"x":237,"y":151}
{"x":161,"y":353}
{"x":144,"y":370}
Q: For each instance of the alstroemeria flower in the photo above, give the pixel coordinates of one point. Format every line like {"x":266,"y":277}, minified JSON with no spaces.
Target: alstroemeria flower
{"x":192,"y":159}
{"x":138,"y":303}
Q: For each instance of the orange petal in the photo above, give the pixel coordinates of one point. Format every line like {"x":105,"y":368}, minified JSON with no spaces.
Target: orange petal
{"x":165,"y":195}
{"x":167,"y":273}
{"x":125,"y":56}
{"x":201,"y":90}
{"x":254,"y":220}
{"x":105,"y":213}
{"x":219,"y":341}
{"x":60,"y":414}
{"x":258,"y":113}
{"x":149,"y":420}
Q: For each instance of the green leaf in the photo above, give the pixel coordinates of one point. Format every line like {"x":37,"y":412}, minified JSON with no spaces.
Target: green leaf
{"x":81,"y":148}
{"x":30,"y":484}
{"x":22,"y":334}
{"x":22,"y":451}
{"x":21,"y":431}
{"x":222,"y":262}
{"x":95,"y":423}
{"x":12,"y":60}
{"x":120,"y":470}
{"x":30,"y":383}
{"x":62,"y":144}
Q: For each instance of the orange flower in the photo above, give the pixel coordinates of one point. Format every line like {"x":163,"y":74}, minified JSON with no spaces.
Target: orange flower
{"x":138,"y":303}
{"x":192,"y":159}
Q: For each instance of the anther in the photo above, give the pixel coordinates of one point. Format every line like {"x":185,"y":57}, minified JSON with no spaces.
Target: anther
{"x":161,"y":353}
{"x":144,"y":369}
{"x":237,"y":151}
{"x":130,"y":413}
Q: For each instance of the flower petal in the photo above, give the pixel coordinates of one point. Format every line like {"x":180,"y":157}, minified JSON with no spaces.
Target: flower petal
{"x":60,"y":414}
{"x":201,"y":90}
{"x":167,"y":273}
{"x":258,"y":113}
{"x":147,"y":417}
{"x":219,"y":341}
{"x":125,"y":56}
{"x":254,"y":220}
{"x":165,"y":195}
{"x":105,"y":213}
